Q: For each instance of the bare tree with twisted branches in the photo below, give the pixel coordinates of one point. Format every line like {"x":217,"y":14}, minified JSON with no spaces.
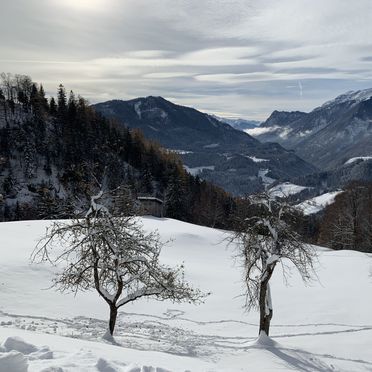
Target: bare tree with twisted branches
{"x":266,"y":236}
{"x":114,"y":256}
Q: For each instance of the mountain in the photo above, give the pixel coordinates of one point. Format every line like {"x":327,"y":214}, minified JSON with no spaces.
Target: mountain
{"x":174,"y":126}
{"x":55,"y":155}
{"x":275,"y":128}
{"x":209,"y":147}
{"x":240,"y":124}
{"x":329,"y":135}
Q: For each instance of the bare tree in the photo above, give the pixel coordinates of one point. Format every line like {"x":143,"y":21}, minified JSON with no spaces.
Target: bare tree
{"x":16,"y":96}
{"x":266,"y":237}
{"x":347,"y":223}
{"x":114,"y":256}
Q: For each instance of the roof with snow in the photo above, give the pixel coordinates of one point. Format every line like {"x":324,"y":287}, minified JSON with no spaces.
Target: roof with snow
{"x":152,"y":198}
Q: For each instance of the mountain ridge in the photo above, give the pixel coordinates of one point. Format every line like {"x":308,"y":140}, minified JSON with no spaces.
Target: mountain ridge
{"x":227,"y":156}
{"x":328,"y":135}
{"x":152,"y":114}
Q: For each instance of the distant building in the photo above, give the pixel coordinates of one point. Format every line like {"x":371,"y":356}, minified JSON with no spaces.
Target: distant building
{"x":150,"y":205}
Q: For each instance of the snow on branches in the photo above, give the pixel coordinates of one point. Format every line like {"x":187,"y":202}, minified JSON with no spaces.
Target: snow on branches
{"x":267,"y":236}
{"x":114,"y":256}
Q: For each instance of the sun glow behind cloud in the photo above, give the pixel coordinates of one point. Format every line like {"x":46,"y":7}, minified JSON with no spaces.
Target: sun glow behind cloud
{"x":238,"y":56}
{"x":83,"y":5}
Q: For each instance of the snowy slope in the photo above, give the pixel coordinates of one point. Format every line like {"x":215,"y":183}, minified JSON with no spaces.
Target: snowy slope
{"x":352,"y":96}
{"x":353,"y":160}
{"x":324,"y":327}
{"x":315,"y":205}
{"x":285,"y":189}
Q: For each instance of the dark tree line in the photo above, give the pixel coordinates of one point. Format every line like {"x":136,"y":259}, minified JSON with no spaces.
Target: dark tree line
{"x":347,"y":223}
{"x":54,"y":150}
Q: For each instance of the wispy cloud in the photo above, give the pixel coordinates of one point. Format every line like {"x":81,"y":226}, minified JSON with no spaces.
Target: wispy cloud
{"x":236,"y":56}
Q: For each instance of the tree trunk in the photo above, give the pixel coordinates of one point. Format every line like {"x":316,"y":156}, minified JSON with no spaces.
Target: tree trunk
{"x":266,"y":313}
{"x":266,"y":310}
{"x":113,"y":316}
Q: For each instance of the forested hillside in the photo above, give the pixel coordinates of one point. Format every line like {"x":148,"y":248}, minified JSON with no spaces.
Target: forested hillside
{"x":54,"y":153}
{"x":347,"y":223}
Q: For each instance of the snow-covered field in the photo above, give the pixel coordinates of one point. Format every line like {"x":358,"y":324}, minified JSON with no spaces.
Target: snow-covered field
{"x":285,"y":189}
{"x":324,"y":327}
{"x":316,"y":204}
{"x":266,"y":180}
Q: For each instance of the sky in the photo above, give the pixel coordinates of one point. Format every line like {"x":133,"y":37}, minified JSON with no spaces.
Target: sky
{"x":234,"y":58}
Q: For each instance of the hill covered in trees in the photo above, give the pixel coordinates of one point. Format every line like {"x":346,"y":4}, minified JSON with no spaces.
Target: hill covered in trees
{"x":55,"y":152}
{"x":347,"y":223}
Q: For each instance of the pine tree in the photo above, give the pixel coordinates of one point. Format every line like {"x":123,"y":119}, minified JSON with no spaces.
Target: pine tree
{"x":123,"y":202}
{"x":175,"y":202}
{"x":43,"y":99}
{"x":52,"y":106}
{"x":47,"y":206}
{"x":62,"y":101}
{"x":71,"y":106}
{"x":147,"y":182}
{"x":37,"y":103}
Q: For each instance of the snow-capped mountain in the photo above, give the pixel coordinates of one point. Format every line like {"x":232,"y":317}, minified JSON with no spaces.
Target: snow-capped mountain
{"x":218,"y":152}
{"x":355,"y":96}
{"x":329,"y":135}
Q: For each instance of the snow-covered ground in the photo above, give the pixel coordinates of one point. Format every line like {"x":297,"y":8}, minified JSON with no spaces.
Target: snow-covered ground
{"x":353,"y":160}
{"x":180,"y":152}
{"x":353,"y":95}
{"x":286,"y":189}
{"x":256,"y":160}
{"x":316,"y":204}
{"x":196,"y":170}
{"x":324,"y":327}
{"x":266,"y":180}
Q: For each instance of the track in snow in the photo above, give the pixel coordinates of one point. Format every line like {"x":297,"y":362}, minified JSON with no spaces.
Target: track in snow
{"x":171,"y":333}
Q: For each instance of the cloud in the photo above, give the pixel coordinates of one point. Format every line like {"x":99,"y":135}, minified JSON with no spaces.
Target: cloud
{"x":167,"y":75}
{"x":236,"y":56}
